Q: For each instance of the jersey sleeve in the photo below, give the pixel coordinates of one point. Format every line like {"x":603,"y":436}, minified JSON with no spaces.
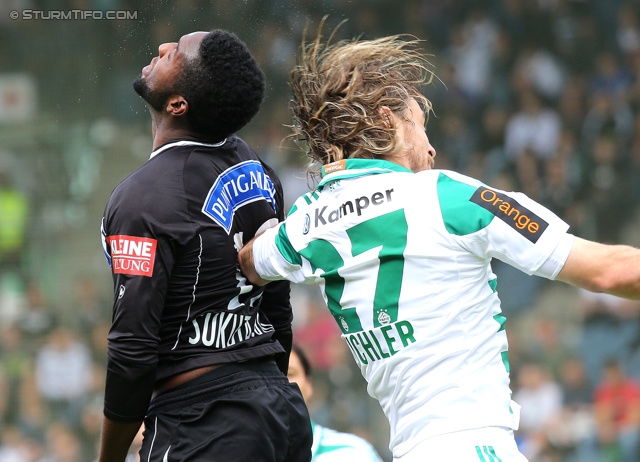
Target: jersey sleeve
{"x":509,"y":226}
{"x":141,"y":261}
{"x":275,"y":258}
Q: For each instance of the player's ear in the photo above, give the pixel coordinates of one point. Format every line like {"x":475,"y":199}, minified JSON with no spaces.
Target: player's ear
{"x":387,"y":116}
{"x":177,"y":106}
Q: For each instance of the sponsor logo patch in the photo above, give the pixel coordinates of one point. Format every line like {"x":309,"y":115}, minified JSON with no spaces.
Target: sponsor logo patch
{"x":511,"y":212}
{"x":335,"y":166}
{"x":356,"y":205}
{"x":307,"y":224}
{"x":132,"y":255}
{"x":237,"y":186}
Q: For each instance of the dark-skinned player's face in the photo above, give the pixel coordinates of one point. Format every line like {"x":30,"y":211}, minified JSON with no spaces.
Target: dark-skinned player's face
{"x":158,"y":79}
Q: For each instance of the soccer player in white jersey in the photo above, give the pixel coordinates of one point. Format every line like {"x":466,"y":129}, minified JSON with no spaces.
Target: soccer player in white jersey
{"x":402,"y":252}
{"x":328,"y":445}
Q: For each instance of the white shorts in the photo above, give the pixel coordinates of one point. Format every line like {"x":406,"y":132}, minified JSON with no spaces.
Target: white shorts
{"x":493,"y":444}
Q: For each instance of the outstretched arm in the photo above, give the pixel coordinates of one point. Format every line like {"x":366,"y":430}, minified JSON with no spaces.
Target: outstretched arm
{"x":614,"y":269}
{"x":245,"y":256}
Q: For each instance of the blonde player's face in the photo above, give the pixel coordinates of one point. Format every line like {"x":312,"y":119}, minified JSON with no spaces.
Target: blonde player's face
{"x":415,"y":148}
{"x":296,"y":374}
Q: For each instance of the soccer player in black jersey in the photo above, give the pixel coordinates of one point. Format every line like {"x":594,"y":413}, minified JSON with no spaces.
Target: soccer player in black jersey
{"x":195,"y":351}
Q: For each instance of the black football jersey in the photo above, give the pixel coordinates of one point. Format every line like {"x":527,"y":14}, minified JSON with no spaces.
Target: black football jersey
{"x":171,"y":233}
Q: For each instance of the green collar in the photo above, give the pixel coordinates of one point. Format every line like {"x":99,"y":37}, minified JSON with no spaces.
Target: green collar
{"x":352,"y":168}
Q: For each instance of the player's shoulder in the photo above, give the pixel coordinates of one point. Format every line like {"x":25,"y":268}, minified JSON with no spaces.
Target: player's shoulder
{"x":308,"y":199}
{"x":451,"y":176}
{"x":460,"y":212}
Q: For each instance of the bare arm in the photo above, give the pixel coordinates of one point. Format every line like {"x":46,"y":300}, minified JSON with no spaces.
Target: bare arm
{"x":614,"y":269}
{"x":245,"y":256}
{"x":116,"y":439}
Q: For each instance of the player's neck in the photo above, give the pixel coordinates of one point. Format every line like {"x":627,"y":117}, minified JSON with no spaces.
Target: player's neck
{"x":165,"y":129}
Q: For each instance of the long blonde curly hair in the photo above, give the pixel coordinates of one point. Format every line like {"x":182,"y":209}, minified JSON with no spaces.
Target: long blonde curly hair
{"x":339,"y":89}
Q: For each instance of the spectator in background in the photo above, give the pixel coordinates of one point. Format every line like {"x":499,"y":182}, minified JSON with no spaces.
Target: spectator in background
{"x":572,"y":105}
{"x":62,"y":444}
{"x":63,"y":374}
{"x":14,"y":213}
{"x":458,"y":142}
{"x":577,"y":393}
{"x":560,"y":182}
{"x":606,"y":115}
{"x":628,"y":31}
{"x":548,"y":346}
{"x":606,"y":187}
{"x":634,"y":156}
{"x":531,"y":139}
{"x":316,"y":333}
{"x":541,"y":399}
{"x":609,"y":328}
{"x":611,"y":77}
{"x":328,"y":445}
{"x":573,"y":429}
{"x":539,"y":70}
{"x":34,"y":417}
{"x":470,"y":56}
{"x":617,"y":413}
{"x":15,"y":362}
{"x":634,"y":93}
{"x":37,"y":318}
{"x":90,"y":307}
{"x":17,"y":447}
{"x":490,"y":160}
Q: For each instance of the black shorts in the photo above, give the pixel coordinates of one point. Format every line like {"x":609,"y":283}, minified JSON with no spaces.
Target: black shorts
{"x":238,"y":412}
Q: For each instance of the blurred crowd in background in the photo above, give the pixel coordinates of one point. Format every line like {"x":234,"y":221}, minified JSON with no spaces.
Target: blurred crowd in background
{"x":541,"y":96}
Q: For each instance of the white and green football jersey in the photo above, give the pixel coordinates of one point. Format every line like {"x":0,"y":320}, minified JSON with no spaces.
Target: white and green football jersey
{"x":403,"y":260}
{"x":333,"y":446}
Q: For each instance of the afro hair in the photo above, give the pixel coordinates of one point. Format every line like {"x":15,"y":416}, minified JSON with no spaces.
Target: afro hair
{"x":224,"y":86}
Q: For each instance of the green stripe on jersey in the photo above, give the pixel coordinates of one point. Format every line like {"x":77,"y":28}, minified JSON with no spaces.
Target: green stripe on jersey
{"x":325,"y":449}
{"x":489,"y":452}
{"x":321,"y":254}
{"x":500,"y":319}
{"x":389,"y":233}
{"x":285,"y":247}
{"x":505,"y":361}
{"x":460,"y":215}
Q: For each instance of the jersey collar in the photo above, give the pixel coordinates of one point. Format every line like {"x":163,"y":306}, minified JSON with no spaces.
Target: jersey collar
{"x":184,"y":143}
{"x":353,"y":168}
